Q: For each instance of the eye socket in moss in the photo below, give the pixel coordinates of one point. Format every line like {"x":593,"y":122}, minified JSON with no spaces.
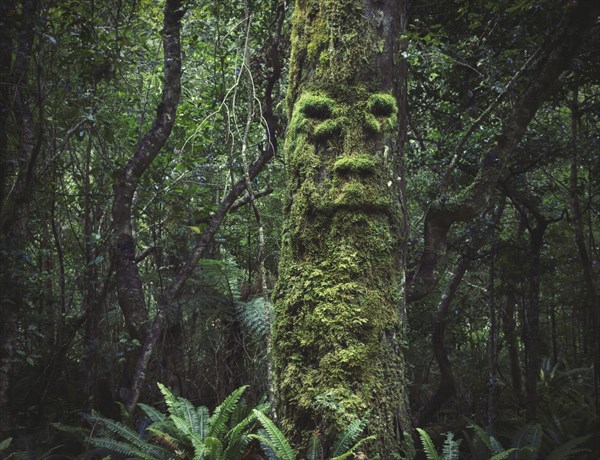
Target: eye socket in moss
{"x":315,"y":106}
{"x":382,"y":105}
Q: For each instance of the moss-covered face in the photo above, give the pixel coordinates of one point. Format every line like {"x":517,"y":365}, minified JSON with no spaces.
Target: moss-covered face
{"x":339,"y":147}
{"x":340,"y":278}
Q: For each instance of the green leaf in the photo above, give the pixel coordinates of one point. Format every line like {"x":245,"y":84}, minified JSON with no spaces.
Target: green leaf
{"x":219,"y":419}
{"x":428,"y":446}
{"x":276,"y":439}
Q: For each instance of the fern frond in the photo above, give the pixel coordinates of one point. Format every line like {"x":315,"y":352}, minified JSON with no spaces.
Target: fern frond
{"x":450,"y":450}
{"x":214,"y":449}
{"x":276,"y":439}
{"x":218,"y":421}
{"x":152,"y":413}
{"x":428,"y":446}
{"x":5,"y":444}
{"x":529,"y":436}
{"x":237,"y":438}
{"x":171,"y":400}
{"x":353,"y":449}
{"x":504,"y":454}
{"x":315,"y":449}
{"x":568,"y":449}
{"x":483,"y":436}
{"x":123,"y":431}
{"x":347,"y":437}
{"x":190,"y":415}
{"x":124,"y":448}
{"x":203,"y":417}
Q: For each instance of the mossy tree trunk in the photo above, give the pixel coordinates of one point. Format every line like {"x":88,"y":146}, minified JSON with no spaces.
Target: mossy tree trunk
{"x":339,"y":302}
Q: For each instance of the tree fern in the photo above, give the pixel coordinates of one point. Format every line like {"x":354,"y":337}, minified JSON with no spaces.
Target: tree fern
{"x":218,"y":421}
{"x":275,"y":439}
{"x":428,"y":446}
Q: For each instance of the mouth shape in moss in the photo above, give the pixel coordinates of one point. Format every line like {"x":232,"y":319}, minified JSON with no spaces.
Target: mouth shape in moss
{"x":359,"y":197}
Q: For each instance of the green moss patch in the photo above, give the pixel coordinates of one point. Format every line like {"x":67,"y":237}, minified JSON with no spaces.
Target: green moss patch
{"x":315,"y":106}
{"x":382,"y":105}
{"x":361,"y":164}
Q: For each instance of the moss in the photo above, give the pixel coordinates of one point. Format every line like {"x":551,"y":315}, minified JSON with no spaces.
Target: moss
{"x":337,"y":321}
{"x":361,"y":164}
{"x":382,"y":105}
{"x":328,"y":129}
{"x":315,"y":106}
{"x":372,"y":124}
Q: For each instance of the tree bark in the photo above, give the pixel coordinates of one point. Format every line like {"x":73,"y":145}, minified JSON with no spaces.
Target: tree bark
{"x":339,"y":297}
{"x":14,"y":204}
{"x":589,"y":274}
{"x":129,"y":284}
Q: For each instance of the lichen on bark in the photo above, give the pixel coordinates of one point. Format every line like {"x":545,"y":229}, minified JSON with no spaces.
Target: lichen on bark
{"x":339,"y":297}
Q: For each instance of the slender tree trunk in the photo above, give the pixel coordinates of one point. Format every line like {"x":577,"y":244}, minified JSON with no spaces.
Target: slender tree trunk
{"x":339,"y":298}
{"x":589,"y":275}
{"x":509,"y":329}
{"x":129,"y":284}
{"x":532,"y":315}
{"x":14,"y":207}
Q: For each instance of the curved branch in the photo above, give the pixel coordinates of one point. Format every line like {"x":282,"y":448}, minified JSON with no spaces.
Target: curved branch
{"x":129,"y":284}
{"x":555,"y":56}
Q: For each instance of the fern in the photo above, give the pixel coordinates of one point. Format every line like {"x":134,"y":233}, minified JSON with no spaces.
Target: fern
{"x":171,"y":400}
{"x":483,"y":436}
{"x":121,"y":430}
{"x":152,"y":413}
{"x":237,"y":438}
{"x":218,"y":421}
{"x":353,"y":449}
{"x":5,"y":444}
{"x":315,"y":449}
{"x":203,"y":417}
{"x":504,"y":454}
{"x":190,"y":415}
{"x":450,"y":449}
{"x":275,"y":439}
{"x":347,"y":437}
{"x":214,"y":449}
{"x":568,"y":449}
{"x":428,"y":446}
{"x":529,"y":438}
{"x":126,"y":449}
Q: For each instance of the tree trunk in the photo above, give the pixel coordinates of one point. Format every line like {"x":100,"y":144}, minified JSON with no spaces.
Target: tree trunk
{"x":339,"y":298}
{"x":15,"y":197}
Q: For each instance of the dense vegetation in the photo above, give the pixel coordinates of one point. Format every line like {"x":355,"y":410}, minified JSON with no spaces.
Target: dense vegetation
{"x":149,"y":154}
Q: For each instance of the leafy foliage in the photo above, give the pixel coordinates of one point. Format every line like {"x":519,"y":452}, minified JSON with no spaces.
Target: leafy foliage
{"x":184,"y":431}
